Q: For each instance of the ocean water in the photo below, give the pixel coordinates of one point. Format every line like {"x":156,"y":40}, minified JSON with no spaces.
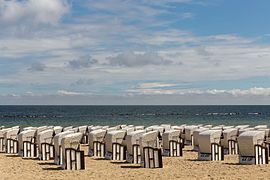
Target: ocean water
{"x":137,"y":115}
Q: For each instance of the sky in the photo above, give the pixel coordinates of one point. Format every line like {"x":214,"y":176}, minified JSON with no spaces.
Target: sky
{"x":132,"y":52}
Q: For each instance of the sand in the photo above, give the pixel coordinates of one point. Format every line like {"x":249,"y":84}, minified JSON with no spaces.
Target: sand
{"x":186,"y":167}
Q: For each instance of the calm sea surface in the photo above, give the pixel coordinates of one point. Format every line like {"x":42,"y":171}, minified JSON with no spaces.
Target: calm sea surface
{"x":137,"y":115}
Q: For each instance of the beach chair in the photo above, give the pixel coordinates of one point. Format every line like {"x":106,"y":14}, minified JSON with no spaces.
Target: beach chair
{"x":166,"y":127}
{"x":150,"y":150}
{"x":196,"y":132}
{"x":2,"y":139}
{"x":11,"y":140}
{"x":251,"y":148}
{"x":188,"y":134}
{"x":244,"y":126}
{"x":27,"y":146}
{"x":139,"y":128}
{"x":67,"y":128}
{"x":96,"y":143}
{"x":210,"y":148}
{"x":58,"y":151}
{"x":114,"y":149}
{"x":45,"y":146}
{"x":84,"y":131}
{"x":73,"y":158}
{"x":57,"y":129}
{"x":172,"y":143}
{"x":132,"y":142}
{"x":229,"y":141}
{"x":260,"y":127}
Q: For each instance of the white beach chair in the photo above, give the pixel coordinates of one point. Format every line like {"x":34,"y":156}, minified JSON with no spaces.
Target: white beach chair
{"x":73,"y":158}
{"x":188,"y":134}
{"x":166,"y":127}
{"x":132,"y":142}
{"x":251,"y":148}
{"x":172,"y":143}
{"x":57,"y":129}
{"x":11,"y":140}
{"x":229,"y":141}
{"x":114,"y":149}
{"x":96,"y":143}
{"x":2,"y":139}
{"x":58,"y":151}
{"x":243,"y":126}
{"x":260,"y":127}
{"x":139,"y":128}
{"x":45,"y":146}
{"x":150,"y":150}
{"x":209,"y":146}
{"x":27,"y":146}
{"x":84,"y":131}
{"x":67,"y":128}
{"x":196,"y":132}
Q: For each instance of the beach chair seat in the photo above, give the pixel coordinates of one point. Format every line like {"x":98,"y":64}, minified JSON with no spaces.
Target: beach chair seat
{"x":151,"y":156}
{"x":45,"y":146}
{"x":172,"y":143}
{"x":251,"y":148}
{"x":210,"y":148}
{"x":132,"y":142}
{"x":11,"y":140}
{"x":73,"y":158}
{"x":58,"y":150}
{"x":96,"y":143}
{"x":27,"y":146}
{"x":114,"y":149}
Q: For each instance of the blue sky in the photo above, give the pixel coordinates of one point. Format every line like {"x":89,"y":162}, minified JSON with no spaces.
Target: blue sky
{"x":134,"y":52}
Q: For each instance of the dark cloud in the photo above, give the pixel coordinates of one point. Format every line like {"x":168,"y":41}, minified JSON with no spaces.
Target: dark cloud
{"x":37,"y":66}
{"x":82,"y":62}
{"x":130,"y":59}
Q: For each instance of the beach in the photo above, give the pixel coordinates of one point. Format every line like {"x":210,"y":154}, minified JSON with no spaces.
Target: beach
{"x":186,"y":167}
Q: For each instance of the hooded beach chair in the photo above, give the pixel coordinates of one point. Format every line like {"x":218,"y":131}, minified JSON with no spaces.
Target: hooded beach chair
{"x":114,"y":149}
{"x":27,"y":145}
{"x":73,"y":158}
{"x":132,"y":142}
{"x":84,"y":131}
{"x":229,"y":141}
{"x":2,"y":139}
{"x":260,"y":127}
{"x":58,"y":151}
{"x":150,"y":150}
{"x":57,"y":129}
{"x":45,"y":146}
{"x":188,"y":134}
{"x":166,"y":127}
{"x":196,"y":132}
{"x":172,"y":143}
{"x":210,"y":146}
{"x":67,"y":128}
{"x":251,"y":148}
{"x":96,"y":143}
{"x":11,"y":140}
{"x":139,"y":128}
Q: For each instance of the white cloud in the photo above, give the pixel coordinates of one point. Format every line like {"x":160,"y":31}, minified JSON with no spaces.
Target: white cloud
{"x":71,"y":93}
{"x":32,"y":11}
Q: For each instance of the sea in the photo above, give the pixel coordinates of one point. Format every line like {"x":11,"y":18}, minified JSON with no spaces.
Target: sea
{"x":137,"y":115}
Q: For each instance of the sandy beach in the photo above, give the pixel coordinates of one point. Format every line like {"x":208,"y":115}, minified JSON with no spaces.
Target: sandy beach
{"x":186,"y":167}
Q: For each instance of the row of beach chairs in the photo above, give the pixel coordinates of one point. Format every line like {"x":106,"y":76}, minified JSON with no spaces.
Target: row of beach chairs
{"x":136,"y":144}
